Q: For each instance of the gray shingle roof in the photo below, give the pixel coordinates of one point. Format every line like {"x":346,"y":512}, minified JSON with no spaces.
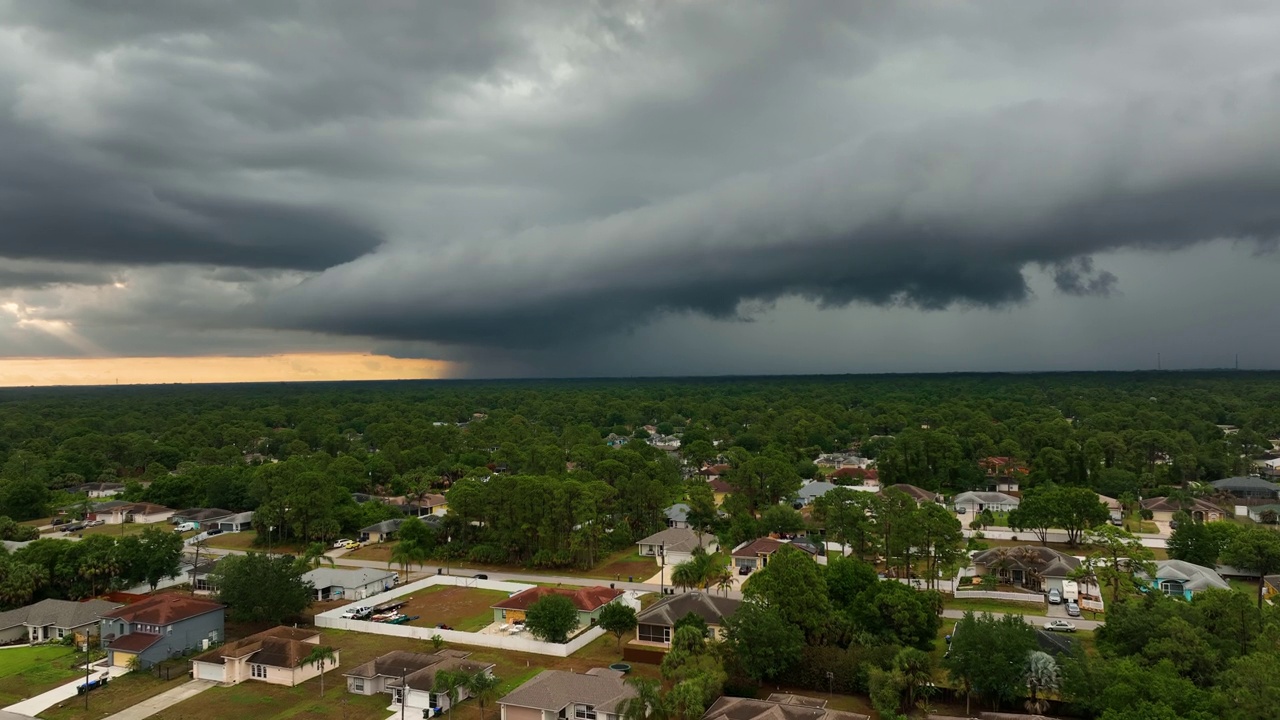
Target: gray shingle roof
{"x":1193,"y":577}
{"x":986,"y":498}
{"x":668,"y":610}
{"x":555,"y":689}
{"x":677,"y":513}
{"x":675,"y":539}
{"x":386,"y":526}
{"x":336,"y":577}
{"x":1245,"y":483}
{"x":815,"y":489}
{"x":57,"y":613}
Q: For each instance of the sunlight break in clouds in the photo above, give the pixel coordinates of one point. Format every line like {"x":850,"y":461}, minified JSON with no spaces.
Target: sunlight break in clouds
{"x":297,"y":367}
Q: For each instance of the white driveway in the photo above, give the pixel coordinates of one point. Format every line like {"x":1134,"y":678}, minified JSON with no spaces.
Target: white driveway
{"x":45,"y":700}
{"x":166,"y":699}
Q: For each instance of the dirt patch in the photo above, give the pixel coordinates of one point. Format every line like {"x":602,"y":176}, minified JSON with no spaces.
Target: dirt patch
{"x":461,"y":608}
{"x":381,"y":552}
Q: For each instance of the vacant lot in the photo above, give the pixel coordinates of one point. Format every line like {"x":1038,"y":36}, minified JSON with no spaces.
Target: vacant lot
{"x":25,"y":672}
{"x":462,"y":608}
{"x":380,"y":552}
{"x":122,"y":692}
{"x":623,"y":565}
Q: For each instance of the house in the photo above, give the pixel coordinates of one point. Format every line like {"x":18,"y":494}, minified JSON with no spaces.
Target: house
{"x":1269,"y":466}
{"x":588,"y":600}
{"x":239,"y":522}
{"x":1114,"y":507}
{"x":1034,"y":567}
{"x":1003,"y":473}
{"x":1163,"y":509}
{"x":778,"y":706}
{"x":52,"y":620}
{"x":754,"y":554}
{"x":720,"y":490}
{"x":869,"y":477}
{"x":812,"y":491}
{"x":272,"y":656}
{"x":381,"y":532}
{"x":203,"y":518}
{"x":390,"y":672}
{"x":677,"y":516}
{"x":614,"y":440}
{"x":1184,"y":579}
{"x":160,"y":627}
{"x":656,"y":625}
{"x":100,"y":489}
{"x":919,"y":494}
{"x":675,"y":545}
{"x":711,"y":472}
{"x":1268,"y":514}
{"x":433,"y":504}
{"x":1248,"y":488}
{"x":355,"y":584}
{"x":115,"y":513}
{"x":561,"y":695}
{"x":974,"y":502}
{"x":200,"y":574}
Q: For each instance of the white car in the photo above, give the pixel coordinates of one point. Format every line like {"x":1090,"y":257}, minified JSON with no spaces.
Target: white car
{"x":339,"y":544}
{"x":1055,"y":597}
{"x":1059,"y":626}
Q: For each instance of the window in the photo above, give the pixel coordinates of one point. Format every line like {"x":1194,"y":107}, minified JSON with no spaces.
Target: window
{"x":584,"y":712}
{"x":397,"y":696}
{"x":655,"y":633}
{"x":258,"y":671}
{"x":357,"y":685}
{"x":62,"y":633}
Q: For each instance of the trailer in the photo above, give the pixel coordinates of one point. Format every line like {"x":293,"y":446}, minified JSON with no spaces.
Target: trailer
{"x":1070,"y":591}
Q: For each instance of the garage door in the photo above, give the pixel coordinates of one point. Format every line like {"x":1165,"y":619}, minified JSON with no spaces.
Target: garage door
{"x":122,"y":659}
{"x":209,"y":671}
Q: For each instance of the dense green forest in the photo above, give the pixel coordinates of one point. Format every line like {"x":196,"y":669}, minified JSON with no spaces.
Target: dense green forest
{"x":531,"y":479}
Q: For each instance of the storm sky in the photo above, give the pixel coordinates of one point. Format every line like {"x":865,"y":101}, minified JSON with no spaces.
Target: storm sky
{"x":643,"y":188}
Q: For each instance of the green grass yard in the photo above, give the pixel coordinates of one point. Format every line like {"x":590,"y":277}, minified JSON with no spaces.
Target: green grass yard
{"x":29,"y":671}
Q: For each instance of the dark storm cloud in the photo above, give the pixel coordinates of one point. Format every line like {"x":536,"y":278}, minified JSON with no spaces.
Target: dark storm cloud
{"x":40,"y":278}
{"x":516,"y":175}
{"x":926,"y":219}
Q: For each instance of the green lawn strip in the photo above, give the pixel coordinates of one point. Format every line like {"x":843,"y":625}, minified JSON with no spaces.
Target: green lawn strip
{"x":25,"y":672}
{"x":122,"y":692}
{"x":981,"y":605}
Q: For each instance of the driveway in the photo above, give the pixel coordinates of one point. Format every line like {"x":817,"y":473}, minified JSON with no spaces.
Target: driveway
{"x":166,"y":699}
{"x":45,"y":700}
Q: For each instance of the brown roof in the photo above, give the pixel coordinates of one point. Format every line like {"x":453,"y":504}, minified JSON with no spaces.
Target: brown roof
{"x":918,"y":493}
{"x":401,"y":662}
{"x":779,"y":706}
{"x":425,"y":679}
{"x":719,"y":485}
{"x":1164,"y":504}
{"x":164,"y":609}
{"x":143,"y":508}
{"x":134,"y":642}
{"x":713,"y":610}
{"x":556,"y":689}
{"x":759,"y":546}
{"x":586,"y":599}
{"x":278,"y":647}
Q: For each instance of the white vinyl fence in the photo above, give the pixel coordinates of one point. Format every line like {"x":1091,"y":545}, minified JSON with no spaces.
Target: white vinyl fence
{"x":997,"y":595}
{"x":331,"y":619}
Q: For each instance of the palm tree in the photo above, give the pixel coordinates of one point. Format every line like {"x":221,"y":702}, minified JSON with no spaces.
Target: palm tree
{"x":320,"y":657}
{"x":483,"y":687}
{"x":647,"y":704}
{"x":917,"y":672}
{"x":724,"y":579}
{"x":686,"y":575}
{"x":314,"y":557}
{"x":447,"y":684}
{"x":1041,"y":674}
{"x":406,"y":554}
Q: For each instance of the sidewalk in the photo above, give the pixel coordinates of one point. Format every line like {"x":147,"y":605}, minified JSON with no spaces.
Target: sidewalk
{"x":45,"y":700}
{"x":166,"y":699}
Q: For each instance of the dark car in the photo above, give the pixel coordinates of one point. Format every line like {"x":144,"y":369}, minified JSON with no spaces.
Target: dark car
{"x":212,"y":532}
{"x":482,"y":577}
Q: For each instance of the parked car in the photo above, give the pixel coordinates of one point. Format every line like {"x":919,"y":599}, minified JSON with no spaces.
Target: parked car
{"x":1173,"y":524}
{"x":185,"y":527}
{"x":1055,"y":597}
{"x":213,"y":531}
{"x":1117,"y":522}
{"x":1073,"y":608}
{"x":95,"y":523}
{"x":482,"y":577}
{"x":961,"y":511}
{"x":339,"y":544}
{"x":1059,"y":626}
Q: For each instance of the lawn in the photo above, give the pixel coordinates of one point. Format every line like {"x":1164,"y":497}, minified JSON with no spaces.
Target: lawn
{"x":119,"y":694}
{"x":29,"y":671}
{"x":245,"y":541}
{"x":618,"y":566}
{"x":462,"y":608}
{"x":1081,"y":550}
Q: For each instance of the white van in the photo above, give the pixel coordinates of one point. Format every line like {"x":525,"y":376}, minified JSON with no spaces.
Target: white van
{"x":185,"y":527}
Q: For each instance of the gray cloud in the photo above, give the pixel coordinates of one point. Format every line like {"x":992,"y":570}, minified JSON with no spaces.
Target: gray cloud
{"x":518,"y":177}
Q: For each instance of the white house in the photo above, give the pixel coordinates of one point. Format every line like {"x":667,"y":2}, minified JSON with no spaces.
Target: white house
{"x":676,"y":545}
{"x":52,"y":620}
{"x":355,"y":584}
{"x":677,"y":516}
{"x":397,"y":672}
{"x":976,"y":501}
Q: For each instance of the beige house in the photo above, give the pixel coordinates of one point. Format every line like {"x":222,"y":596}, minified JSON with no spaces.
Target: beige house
{"x":561,"y":695}
{"x":656,"y":625}
{"x":273,"y":656}
{"x":1163,"y":509}
{"x":134,"y":513}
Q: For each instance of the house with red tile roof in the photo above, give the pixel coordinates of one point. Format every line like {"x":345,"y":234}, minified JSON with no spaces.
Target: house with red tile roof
{"x":588,"y":600}
{"x":160,"y":627}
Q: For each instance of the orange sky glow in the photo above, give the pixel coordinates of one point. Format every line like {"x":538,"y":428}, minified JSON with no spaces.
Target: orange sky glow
{"x":291,"y":367}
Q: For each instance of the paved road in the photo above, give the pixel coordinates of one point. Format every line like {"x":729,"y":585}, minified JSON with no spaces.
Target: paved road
{"x":45,"y":700}
{"x":1037,"y":620}
{"x":166,"y":699}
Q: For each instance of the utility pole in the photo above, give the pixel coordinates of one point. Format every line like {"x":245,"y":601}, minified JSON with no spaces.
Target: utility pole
{"x":86,"y":670}
{"x":404,"y":691}
{"x":662,"y":573}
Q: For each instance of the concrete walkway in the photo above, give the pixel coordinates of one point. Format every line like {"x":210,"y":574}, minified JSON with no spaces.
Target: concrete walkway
{"x":45,"y":700}
{"x":1037,"y":620}
{"x":166,"y":699}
